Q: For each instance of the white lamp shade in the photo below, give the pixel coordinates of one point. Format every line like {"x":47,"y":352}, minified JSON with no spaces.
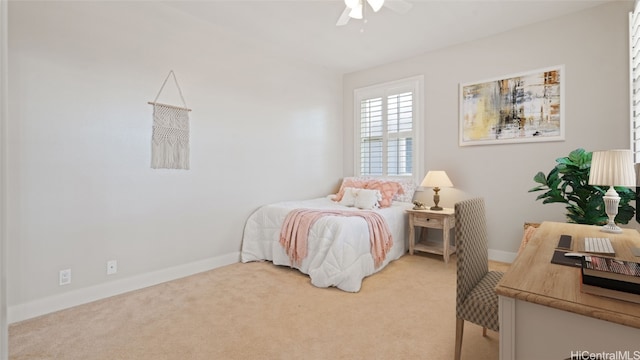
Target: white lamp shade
{"x":437,"y":178}
{"x":612,"y":168}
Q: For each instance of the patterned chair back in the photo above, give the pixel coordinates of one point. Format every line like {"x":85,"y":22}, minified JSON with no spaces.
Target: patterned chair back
{"x":471,"y":246}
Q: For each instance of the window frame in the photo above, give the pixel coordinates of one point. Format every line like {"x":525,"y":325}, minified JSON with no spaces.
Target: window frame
{"x":414,"y":84}
{"x":634,"y":83}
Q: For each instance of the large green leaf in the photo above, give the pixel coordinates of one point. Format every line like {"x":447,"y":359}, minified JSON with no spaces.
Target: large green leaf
{"x":568,"y":183}
{"x":540,"y":178}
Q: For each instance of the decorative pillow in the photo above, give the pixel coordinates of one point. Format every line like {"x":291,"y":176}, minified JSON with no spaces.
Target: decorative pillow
{"x":529,"y":231}
{"x":388,"y":189}
{"x":408,"y":187}
{"x":349,"y":196}
{"x":353,"y":182}
{"x":367,"y":199}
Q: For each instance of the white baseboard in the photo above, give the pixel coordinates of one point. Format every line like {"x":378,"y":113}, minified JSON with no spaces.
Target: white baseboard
{"x":77,"y":297}
{"x":502,"y":256}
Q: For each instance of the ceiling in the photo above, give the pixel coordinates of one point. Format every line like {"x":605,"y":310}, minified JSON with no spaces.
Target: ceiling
{"x":305,"y":29}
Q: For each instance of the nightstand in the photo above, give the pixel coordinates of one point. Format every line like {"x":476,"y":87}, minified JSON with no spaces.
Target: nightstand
{"x":432,"y":219}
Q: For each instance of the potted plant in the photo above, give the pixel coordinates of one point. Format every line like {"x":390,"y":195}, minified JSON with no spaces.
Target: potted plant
{"x":568,"y":183}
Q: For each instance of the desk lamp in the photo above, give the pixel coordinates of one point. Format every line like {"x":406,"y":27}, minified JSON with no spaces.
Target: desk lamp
{"x":436,"y":180}
{"x":612,"y":168}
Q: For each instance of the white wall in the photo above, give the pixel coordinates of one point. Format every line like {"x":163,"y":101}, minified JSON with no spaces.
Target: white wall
{"x":81,"y":191}
{"x":593,"y":46}
{"x":4,"y":336}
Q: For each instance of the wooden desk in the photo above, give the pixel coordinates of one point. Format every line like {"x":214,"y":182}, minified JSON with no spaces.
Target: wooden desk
{"x":543,"y":313}
{"x":435,"y":219}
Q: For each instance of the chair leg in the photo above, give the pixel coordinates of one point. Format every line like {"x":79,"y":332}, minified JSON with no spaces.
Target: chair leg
{"x":484,"y":331}
{"x":459,"y":329}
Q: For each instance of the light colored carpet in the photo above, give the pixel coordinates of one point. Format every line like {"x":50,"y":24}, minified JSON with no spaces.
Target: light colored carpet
{"x":259,"y":310}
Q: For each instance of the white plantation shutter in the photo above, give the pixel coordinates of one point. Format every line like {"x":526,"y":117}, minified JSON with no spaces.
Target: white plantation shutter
{"x":386,"y":122}
{"x":634,"y":63}
{"x":400,"y":134}
{"x":371,"y":137}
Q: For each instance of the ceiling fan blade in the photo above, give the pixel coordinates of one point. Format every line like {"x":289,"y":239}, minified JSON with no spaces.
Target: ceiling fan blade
{"x":376,"y":5}
{"x":357,"y":12}
{"x":344,"y":18}
{"x":399,"y":6}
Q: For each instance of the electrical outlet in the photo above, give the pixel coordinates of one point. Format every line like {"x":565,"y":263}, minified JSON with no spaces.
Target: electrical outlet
{"x":112,"y":267}
{"x":65,"y":277}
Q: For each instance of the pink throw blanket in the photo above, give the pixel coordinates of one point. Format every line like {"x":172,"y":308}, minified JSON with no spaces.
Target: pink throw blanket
{"x":296,"y":226}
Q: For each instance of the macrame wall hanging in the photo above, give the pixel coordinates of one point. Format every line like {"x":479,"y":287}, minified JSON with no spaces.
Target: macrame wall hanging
{"x":170,"y":139}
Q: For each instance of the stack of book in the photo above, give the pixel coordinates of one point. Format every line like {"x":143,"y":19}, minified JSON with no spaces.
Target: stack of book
{"x":611,"y":277}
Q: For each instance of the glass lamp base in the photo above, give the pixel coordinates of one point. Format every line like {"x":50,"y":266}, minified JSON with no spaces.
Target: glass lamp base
{"x":611,"y":228}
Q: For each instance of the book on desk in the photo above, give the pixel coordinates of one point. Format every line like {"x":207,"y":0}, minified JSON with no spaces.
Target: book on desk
{"x":610,"y":277}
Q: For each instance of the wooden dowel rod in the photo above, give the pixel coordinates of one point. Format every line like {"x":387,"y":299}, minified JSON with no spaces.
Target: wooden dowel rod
{"x":171,"y":106}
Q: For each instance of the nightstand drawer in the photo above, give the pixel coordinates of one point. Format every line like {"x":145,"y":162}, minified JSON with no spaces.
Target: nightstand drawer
{"x":428,"y":222}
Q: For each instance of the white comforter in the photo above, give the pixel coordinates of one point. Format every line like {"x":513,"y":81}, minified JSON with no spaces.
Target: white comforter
{"x":339,"y":251}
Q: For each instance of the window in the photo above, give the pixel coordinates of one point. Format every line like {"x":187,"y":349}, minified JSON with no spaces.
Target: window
{"x":634,"y":53}
{"x":386,"y":128}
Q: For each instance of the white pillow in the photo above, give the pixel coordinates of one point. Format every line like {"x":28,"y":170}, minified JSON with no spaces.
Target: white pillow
{"x":349,"y":197}
{"x":367,"y":199}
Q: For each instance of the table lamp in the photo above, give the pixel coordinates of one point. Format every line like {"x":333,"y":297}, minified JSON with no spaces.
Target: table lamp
{"x":612,"y":168}
{"x":436,"y":180}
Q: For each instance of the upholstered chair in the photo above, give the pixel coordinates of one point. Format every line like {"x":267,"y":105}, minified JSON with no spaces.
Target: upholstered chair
{"x":476,"y":300}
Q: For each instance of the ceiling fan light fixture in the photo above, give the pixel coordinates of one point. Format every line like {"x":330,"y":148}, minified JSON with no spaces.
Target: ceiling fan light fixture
{"x":351,"y":3}
{"x":376,"y":5}
{"x":356,"y":12}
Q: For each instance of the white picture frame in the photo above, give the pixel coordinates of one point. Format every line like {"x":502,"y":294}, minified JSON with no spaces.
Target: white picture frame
{"x":516,"y":108}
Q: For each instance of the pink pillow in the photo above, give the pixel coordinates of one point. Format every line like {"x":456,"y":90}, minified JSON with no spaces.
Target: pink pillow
{"x":388,"y":189}
{"x":529,"y":231}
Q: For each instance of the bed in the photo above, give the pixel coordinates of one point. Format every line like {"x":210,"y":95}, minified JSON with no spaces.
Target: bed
{"x":339,"y":250}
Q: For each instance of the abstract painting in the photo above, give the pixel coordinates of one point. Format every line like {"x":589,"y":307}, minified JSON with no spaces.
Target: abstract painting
{"x":525,"y":107}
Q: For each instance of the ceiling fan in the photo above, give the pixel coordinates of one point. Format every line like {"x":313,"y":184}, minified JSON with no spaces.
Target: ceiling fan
{"x":355,"y":8}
